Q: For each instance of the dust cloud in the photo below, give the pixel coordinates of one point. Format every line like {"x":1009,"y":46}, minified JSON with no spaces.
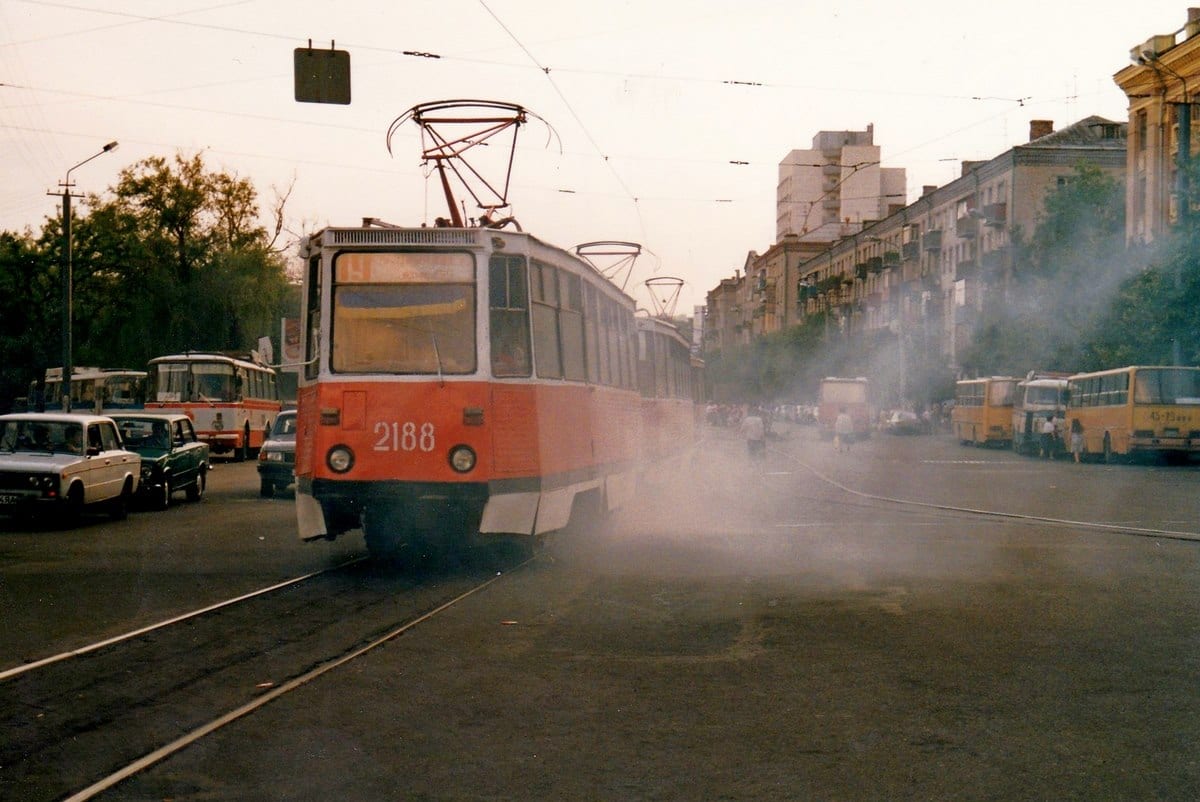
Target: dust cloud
{"x":720,"y":514}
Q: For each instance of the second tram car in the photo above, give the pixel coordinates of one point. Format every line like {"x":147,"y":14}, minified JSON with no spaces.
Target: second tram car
{"x":461,"y":380}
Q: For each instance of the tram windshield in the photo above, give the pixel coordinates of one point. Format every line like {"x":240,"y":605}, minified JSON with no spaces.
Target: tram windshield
{"x":404,"y":313}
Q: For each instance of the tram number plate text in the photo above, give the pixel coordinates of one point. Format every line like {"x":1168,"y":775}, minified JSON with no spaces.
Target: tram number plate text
{"x":407,"y":436}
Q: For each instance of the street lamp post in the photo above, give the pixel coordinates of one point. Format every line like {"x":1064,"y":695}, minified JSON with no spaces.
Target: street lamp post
{"x":68,"y":278}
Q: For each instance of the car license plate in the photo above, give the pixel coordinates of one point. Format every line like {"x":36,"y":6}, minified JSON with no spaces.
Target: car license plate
{"x":9,"y":498}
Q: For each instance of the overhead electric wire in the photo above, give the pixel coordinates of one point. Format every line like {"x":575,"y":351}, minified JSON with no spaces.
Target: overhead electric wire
{"x":571,"y":110}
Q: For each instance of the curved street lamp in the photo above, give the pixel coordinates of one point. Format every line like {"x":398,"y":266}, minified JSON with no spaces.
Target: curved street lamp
{"x":68,"y":278}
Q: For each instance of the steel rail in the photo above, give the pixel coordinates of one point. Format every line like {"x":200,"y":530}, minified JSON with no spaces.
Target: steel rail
{"x":1136,"y":531}
{"x":72,"y":653}
{"x":184,"y":741}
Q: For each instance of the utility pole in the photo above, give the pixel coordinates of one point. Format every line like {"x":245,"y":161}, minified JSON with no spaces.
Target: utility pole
{"x":68,"y":279}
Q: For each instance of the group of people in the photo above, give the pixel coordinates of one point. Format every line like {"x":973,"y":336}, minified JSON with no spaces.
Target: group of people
{"x":1049,"y":436}
{"x":755,"y":423}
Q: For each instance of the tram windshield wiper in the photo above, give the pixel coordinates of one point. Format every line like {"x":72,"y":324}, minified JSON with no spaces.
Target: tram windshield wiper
{"x":437,"y":354}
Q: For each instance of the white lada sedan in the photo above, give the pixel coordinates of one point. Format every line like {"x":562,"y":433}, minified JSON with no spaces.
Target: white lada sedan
{"x":61,"y":464}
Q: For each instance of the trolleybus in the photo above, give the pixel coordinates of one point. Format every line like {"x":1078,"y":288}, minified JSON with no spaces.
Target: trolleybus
{"x":1137,"y":410}
{"x":983,"y":410}
{"x":232,"y":400}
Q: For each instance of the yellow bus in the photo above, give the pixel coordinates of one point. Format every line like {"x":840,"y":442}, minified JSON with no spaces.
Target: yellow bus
{"x":983,"y":410}
{"x":1137,"y":410}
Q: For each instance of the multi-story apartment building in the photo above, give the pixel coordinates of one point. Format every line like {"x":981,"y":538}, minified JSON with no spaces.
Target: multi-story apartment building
{"x":726,"y":321}
{"x":1160,"y":82}
{"x":923,"y":271}
{"x":829,"y":191}
{"x":911,"y":285}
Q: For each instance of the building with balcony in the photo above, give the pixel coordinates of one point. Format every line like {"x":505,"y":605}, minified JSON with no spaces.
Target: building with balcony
{"x":830,"y":190}
{"x":906,"y":291}
{"x":726,"y":314}
{"x":1160,"y":82}
{"x":923,"y":272}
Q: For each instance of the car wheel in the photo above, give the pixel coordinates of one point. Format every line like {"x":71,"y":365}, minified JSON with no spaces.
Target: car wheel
{"x":163,"y":500}
{"x":266,"y":488}
{"x":120,"y":505}
{"x":72,"y":509}
{"x":195,"y":490}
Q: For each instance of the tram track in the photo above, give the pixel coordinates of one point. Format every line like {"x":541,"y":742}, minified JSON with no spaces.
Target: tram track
{"x":34,"y":665}
{"x":99,"y":716}
{"x":894,"y":502}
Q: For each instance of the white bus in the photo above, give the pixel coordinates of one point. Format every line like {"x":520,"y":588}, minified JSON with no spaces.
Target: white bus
{"x":231,"y":400}
{"x":1039,"y":395}
{"x":93,"y":390}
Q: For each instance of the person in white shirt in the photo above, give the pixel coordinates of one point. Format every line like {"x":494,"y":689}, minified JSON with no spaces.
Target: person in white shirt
{"x":1048,"y":432}
{"x":755,"y":432}
{"x":843,"y":430}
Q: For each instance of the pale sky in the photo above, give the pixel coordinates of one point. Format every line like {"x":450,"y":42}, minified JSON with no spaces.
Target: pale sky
{"x":651,"y":103}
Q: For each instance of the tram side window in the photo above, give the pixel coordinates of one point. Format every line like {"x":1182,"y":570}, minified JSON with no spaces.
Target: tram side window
{"x":509,"y":316}
{"x":312,"y":312}
{"x":631,"y":330}
{"x":591,"y":322}
{"x":662,"y":374}
{"x":546,"y":350}
{"x":645,"y":364}
{"x":571,"y":326}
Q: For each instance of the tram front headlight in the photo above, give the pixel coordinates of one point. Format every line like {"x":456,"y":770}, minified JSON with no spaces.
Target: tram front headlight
{"x":340,"y":459}
{"x":462,"y":458}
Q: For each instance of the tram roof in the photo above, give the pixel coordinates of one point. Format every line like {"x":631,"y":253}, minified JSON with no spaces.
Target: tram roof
{"x":385,"y":235}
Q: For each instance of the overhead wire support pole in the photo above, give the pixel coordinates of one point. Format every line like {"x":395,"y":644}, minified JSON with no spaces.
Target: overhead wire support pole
{"x":68,"y":281}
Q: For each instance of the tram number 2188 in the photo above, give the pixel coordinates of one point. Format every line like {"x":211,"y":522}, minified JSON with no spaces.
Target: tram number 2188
{"x":407,"y":436}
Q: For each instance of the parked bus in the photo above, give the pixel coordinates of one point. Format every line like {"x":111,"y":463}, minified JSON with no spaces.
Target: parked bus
{"x":231,"y":400}
{"x":853,"y":395}
{"x":983,"y":410}
{"x":93,"y":390}
{"x":1137,"y":410}
{"x":1039,"y":395}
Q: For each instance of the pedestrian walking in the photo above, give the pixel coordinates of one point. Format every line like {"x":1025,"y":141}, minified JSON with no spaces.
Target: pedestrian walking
{"x":1048,"y":437}
{"x":843,"y":430}
{"x":1076,"y":439}
{"x":754,"y":429}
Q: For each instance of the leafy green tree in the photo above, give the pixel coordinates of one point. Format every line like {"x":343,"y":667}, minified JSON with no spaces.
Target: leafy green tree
{"x":1065,"y":278}
{"x":174,"y":258}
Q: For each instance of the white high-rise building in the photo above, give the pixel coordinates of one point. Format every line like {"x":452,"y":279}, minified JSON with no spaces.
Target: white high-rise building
{"x":826,"y":193}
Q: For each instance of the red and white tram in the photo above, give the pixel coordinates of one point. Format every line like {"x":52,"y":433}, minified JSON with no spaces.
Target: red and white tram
{"x":461,"y":380}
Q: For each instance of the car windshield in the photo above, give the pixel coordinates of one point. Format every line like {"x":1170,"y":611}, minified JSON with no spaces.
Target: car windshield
{"x":144,"y":433}
{"x":285,"y":427}
{"x":54,"y":437}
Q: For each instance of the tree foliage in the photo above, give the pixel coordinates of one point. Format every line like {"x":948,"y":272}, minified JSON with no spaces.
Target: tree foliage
{"x":173,"y":258}
{"x":1065,"y":277}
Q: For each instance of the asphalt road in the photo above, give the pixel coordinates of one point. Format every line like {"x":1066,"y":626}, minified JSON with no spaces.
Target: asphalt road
{"x":796,"y":629}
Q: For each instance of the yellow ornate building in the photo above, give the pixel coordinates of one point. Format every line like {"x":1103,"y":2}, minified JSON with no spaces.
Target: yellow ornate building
{"x":1160,"y":82}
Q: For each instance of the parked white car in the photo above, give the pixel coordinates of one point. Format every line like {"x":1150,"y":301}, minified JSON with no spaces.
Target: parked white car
{"x":61,"y":464}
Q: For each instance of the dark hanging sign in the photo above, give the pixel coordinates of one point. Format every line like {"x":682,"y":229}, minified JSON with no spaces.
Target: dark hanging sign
{"x":322,"y":76}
